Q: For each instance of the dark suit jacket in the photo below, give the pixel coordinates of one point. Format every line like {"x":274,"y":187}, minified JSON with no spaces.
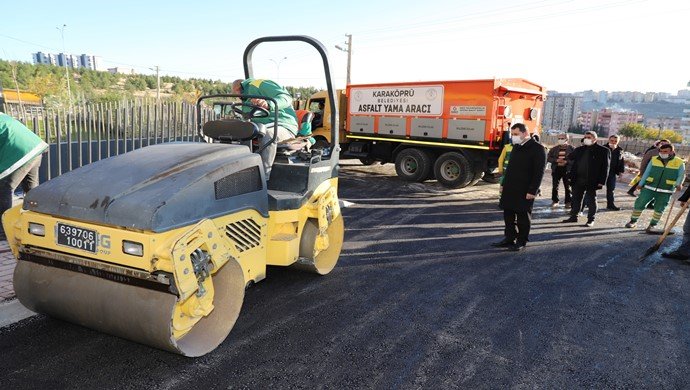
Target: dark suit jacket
{"x":598,"y":165}
{"x":527,"y":163}
{"x":617,"y":162}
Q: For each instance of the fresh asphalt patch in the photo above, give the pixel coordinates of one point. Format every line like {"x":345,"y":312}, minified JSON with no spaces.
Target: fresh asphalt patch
{"x":419,"y":299}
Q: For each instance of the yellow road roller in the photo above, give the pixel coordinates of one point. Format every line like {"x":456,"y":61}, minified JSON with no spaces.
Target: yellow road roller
{"x":159,"y":244}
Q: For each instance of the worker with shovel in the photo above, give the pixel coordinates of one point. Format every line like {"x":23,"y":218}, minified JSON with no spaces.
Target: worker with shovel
{"x":662,"y":177}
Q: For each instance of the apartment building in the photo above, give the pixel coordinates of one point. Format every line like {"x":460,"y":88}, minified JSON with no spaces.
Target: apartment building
{"x":608,"y":121}
{"x":561,"y":110}
{"x":70,"y":60}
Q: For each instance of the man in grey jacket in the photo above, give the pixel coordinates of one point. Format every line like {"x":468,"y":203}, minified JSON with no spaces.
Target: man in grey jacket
{"x":558,"y":157}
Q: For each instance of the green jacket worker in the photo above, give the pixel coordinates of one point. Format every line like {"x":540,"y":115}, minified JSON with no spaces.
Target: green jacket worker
{"x":287,"y":118}
{"x":663,"y":176}
{"x":20,"y":158}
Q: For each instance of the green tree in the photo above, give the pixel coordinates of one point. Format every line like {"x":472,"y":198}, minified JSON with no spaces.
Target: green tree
{"x":654,"y":133}
{"x":151,"y":82}
{"x":633,"y":130}
{"x":45,"y":85}
{"x":135,"y":83}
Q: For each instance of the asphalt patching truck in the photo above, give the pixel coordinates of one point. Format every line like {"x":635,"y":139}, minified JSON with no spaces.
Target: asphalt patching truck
{"x":452,"y":131}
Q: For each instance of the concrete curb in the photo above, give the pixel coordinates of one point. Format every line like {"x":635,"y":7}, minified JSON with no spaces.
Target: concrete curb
{"x":13,"y":311}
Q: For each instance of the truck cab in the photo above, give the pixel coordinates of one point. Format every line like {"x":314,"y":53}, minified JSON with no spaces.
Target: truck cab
{"x":321,"y":124}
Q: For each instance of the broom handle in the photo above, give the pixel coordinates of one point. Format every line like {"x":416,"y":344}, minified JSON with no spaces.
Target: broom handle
{"x":673,"y":203}
{"x":673,"y":223}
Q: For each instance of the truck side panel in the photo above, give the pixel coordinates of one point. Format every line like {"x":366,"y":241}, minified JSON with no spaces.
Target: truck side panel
{"x":457,"y":113}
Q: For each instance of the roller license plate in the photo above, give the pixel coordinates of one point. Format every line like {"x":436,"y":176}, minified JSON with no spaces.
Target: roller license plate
{"x":76,"y":237}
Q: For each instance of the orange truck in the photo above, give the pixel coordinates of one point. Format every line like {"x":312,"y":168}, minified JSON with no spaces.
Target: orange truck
{"x":452,"y":131}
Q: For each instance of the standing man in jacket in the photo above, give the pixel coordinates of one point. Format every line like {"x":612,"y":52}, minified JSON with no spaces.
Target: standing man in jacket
{"x":588,"y":174}
{"x":520,"y":187}
{"x":20,"y":158}
{"x":663,"y":176}
{"x":558,"y":157}
{"x":287,"y":117}
{"x":616,"y":169}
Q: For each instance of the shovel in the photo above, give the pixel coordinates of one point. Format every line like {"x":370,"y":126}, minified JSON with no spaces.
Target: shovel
{"x":666,"y":231}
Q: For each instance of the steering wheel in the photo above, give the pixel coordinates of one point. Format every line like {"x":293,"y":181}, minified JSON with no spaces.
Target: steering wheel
{"x":255,"y":112}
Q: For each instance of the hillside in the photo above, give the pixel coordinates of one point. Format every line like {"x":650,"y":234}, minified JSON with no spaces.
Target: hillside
{"x":649,"y":110}
{"x":87,"y":85}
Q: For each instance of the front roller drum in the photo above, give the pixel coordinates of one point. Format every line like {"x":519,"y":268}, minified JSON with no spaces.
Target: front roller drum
{"x":319,"y":253}
{"x":134,"y":313}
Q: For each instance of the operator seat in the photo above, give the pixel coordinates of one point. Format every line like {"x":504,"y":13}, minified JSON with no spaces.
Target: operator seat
{"x":304,"y":118}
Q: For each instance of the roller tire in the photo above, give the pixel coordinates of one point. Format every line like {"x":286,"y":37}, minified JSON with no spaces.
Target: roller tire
{"x":453,"y":170}
{"x":413,"y":165}
{"x":131,"y":312}
{"x":324,"y":261}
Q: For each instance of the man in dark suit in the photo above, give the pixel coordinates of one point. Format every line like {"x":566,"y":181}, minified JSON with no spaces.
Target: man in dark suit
{"x":616,"y":168}
{"x":520,"y":186}
{"x":588,"y":174}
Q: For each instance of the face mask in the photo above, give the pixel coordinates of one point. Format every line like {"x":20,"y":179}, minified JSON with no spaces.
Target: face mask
{"x":587,"y":142}
{"x":663,"y":156}
{"x":516,"y":139}
{"x":562,"y":141}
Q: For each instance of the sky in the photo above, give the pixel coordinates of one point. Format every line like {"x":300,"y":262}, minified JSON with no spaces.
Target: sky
{"x":563,"y":45}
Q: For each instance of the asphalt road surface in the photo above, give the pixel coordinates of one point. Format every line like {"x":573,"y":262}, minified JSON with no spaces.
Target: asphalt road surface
{"x":418,"y":300}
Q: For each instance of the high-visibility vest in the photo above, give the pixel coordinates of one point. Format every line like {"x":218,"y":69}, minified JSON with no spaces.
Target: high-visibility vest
{"x":504,"y":160}
{"x":662,"y":178}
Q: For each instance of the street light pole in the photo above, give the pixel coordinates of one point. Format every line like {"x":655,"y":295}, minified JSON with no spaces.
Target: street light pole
{"x":349,"y":54}
{"x":158,"y":83}
{"x":64,"y":59}
{"x":278,"y":67}
{"x":13,"y":65}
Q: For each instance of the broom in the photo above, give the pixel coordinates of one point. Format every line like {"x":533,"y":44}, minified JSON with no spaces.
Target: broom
{"x":666,"y":231}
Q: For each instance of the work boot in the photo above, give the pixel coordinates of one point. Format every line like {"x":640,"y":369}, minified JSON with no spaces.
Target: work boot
{"x":504,"y":243}
{"x":651,"y":229}
{"x":572,"y":218}
{"x":631,"y":225}
{"x":517,"y":247}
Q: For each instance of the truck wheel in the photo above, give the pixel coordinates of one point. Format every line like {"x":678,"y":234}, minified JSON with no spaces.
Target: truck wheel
{"x":475,"y":179}
{"x":413,"y":165}
{"x":453,"y":170}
